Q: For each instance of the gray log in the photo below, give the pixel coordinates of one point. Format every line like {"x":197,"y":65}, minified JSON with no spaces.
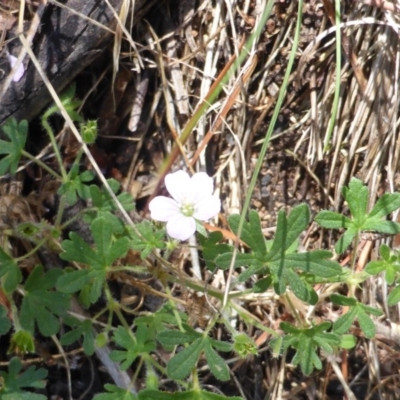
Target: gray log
{"x":64,"y":44}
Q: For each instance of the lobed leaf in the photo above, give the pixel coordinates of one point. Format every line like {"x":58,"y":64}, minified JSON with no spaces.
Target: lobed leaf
{"x":385,"y":205}
{"x":288,"y":230}
{"x":17,"y":133}
{"x":345,"y":240}
{"x":315,"y":262}
{"x":14,"y":381}
{"x":180,"y":365}
{"x":10,"y":270}
{"x":332,"y":220}
{"x":41,"y":304}
{"x":134,"y":345}
{"x":251,"y":231}
{"x":394,"y":296}
{"x":344,"y":322}
{"x":378,"y":225}
{"x":343,"y":300}
{"x":174,"y":338}
{"x":242,"y":259}
{"x":366,"y":323}
{"x":356,"y":196}
{"x":148,"y":239}
{"x":81,"y":328}
{"x":212,"y":249}
{"x":217,"y":364}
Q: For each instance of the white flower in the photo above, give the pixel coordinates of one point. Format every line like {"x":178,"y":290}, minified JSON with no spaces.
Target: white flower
{"x":192,"y":200}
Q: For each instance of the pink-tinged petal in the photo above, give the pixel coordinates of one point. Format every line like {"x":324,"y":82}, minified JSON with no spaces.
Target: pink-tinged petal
{"x":207,"y":208}
{"x":201,"y":186}
{"x":19,"y":72}
{"x":163,"y":208}
{"x":181,"y":227}
{"x":177,"y":185}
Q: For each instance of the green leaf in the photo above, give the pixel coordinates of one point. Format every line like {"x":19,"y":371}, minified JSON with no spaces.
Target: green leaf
{"x":314,"y":262}
{"x":212,"y":249}
{"x":105,"y":206}
{"x":251,"y":231}
{"x":280,"y":265}
{"x":284,"y":272}
{"x":276,"y":346}
{"x":74,"y":281}
{"x":371,"y":310}
{"x":13,"y":381}
{"x":224,"y":260}
{"x":10,"y":271}
{"x":343,"y":300}
{"x":76,"y":185}
{"x":200,"y":228}
{"x":384,"y":252}
{"x":5,"y":323}
{"x":344,"y":241}
{"x":134,"y":345}
{"x":221,"y":346}
{"x":332,"y":220}
{"x":76,"y":249}
{"x":179,"y":366}
{"x":150,"y":394}
{"x":386,"y":204}
{"x":146,"y":238}
{"x":344,"y":322}
{"x":306,"y":342}
{"x":348,"y":341}
{"x":217,"y":364}
{"x":356,"y":196}
{"x":98,"y":260}
{"x":356,"y":310}
{"x":17,"y":133}
{"x":298,"y":286}
{"x":288,"y":230}
{"x":390,"y":265}
{"x":70,"y":103}
{"x":366,"y":324}
{"x":394,"y":296}
{"x":262,"y":285}
{"x":376,"y":267}
{"x":41,"y":304}
{"x":174,"y":338}
{"x":159,"y":321}
{"x":104,"y":202}
{"x":386,"y":227}
{"x":115,"y":393}
{"x":81,"y":328}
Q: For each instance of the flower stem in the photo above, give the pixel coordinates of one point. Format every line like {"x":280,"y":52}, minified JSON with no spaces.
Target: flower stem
{"x":49,"y":131}
{"x":41,"y":164}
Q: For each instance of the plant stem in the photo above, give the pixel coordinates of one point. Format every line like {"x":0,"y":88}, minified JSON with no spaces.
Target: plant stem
{"x":293,"y":309}
{"x":31,"y":252}
{"x":41,"y":164}
{"x":49,"y":131}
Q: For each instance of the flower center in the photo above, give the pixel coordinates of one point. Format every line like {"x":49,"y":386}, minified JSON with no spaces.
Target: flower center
{"x":187,"y":209}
